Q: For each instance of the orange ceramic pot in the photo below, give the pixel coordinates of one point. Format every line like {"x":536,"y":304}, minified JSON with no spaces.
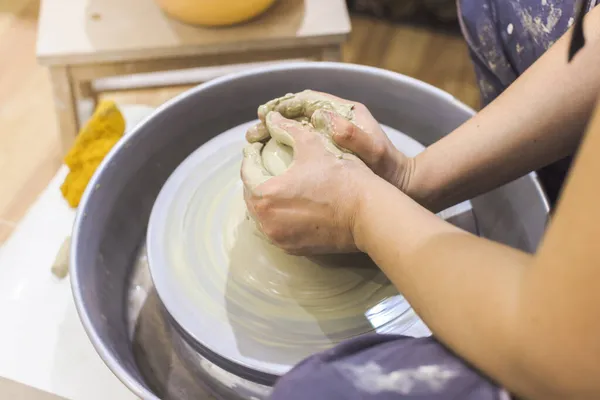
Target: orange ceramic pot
{"x":214,"y":12}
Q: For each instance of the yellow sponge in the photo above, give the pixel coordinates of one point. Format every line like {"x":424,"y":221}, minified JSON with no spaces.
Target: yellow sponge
{"x":98,"y":136}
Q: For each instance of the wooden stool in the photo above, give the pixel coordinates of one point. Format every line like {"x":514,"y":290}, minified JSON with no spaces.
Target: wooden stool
{"x":82,"y":41}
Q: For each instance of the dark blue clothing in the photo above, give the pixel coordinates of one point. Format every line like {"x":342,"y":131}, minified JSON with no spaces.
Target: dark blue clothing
{"x":386,"y":367}
{"x":505,"y":37}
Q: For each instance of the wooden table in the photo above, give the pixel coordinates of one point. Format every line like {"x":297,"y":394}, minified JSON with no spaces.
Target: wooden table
{"x":82,"y":41}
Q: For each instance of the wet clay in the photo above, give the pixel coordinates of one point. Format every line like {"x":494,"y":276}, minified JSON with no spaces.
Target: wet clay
{"x":275,"y":157}
{"x":248,"y":300}
{"x":277,"y":154}
{"x":297,"y":106}
{"x":278,"y":300}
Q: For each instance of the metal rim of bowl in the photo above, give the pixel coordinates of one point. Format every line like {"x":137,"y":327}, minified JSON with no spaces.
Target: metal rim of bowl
{"x":97,"y":341}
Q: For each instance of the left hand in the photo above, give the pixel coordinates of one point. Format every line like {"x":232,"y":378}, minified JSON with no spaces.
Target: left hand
{"x":311,"y":207}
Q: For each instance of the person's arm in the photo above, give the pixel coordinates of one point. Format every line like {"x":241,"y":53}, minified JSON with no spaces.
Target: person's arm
{"x":531,"y":323}
{"x":536,"y":121}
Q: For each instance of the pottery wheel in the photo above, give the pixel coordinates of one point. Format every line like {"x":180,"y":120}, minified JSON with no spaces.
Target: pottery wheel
{"x":244,"y":300}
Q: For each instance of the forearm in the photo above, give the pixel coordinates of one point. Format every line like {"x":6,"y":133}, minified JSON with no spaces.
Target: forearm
{"x":465,"y":288}
{"x":536,"y":121}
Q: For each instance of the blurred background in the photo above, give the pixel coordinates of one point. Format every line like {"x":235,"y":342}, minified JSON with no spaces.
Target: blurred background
{"x":419,"y":38}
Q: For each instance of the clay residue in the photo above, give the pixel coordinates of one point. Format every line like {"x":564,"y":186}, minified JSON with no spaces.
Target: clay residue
{"x":303,"y":104}
{"x":413,"y":382}
{"x":539,"y":25}
{"x":519,"y":48}
{"x":486,"y":33}
{"x":487,"y":89}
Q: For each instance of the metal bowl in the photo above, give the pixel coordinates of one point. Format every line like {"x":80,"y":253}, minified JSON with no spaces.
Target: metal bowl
{"x":138,"y":342}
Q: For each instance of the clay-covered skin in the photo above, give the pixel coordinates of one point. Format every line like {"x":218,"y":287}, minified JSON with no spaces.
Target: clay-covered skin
{"x":275,"y":157}
{"x":348,"y":126}
{"x":302,"y":107}
{"x":305,"y":104}
{"x":277,"y":154}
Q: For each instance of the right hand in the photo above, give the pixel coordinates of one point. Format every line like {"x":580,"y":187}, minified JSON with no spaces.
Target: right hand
{"x":351,"y":126}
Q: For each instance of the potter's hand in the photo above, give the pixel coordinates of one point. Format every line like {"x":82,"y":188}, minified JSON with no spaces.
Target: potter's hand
{"x":351,"y":126}
{"x":310,"y":208}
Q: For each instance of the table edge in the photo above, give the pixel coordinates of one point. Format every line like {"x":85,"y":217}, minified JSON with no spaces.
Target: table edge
{"x":55,"y":59}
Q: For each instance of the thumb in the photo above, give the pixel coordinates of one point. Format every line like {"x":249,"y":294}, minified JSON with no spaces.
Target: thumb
{"x":347,"y":135}
{"x":257,"y":133}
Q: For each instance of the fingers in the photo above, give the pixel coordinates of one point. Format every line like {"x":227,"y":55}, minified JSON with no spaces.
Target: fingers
{"x":352,"y":138}
{"x":328,"y":122}
{"x":346,"y":134}
{"x":290,"y":107}
{"x":253,"y":171}
{"x":284,"y":130}
{"x":271,"y":105}
{"x":305,"y":103}
{"x":306,"y":142}
{"x":257,"y":133}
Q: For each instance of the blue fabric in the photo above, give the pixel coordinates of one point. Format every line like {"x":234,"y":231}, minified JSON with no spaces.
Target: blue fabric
{"x":505,"y":37}
{"x":386,"y":367}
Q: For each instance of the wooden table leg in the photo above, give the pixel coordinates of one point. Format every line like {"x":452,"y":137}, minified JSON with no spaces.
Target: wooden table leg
{"x":86,"y":91}
{"x":86,"y":99}
{"x":332,"y":54}
{"x":65,"y":105}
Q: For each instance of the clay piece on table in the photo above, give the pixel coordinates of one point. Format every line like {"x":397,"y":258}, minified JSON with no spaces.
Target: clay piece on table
{"x":60,"y":268}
